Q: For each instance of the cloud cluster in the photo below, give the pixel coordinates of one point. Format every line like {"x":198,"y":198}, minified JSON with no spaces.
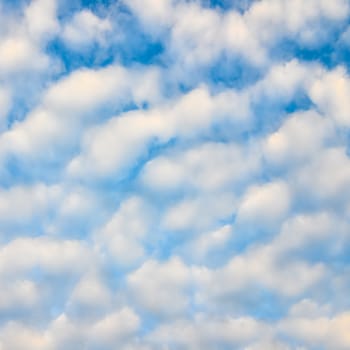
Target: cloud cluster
{"x":174,"y":175}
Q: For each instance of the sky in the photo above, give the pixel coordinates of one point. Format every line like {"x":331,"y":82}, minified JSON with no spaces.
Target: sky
{"x":174,"y":174}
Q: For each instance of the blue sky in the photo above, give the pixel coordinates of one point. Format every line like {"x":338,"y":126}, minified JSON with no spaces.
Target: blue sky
{"x":174,"y":175}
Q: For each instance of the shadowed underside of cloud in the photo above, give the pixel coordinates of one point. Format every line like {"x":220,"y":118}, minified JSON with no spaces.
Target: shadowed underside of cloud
{"x":174,"y":175}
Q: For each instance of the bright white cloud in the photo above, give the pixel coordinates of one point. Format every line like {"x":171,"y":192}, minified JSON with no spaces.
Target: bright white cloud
{"x":207,"y":333}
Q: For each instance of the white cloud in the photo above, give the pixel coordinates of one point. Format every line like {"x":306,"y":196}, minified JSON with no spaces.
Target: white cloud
{"x":303,"y":231}
{"x":85,"y":28}
{"x":200,"y":212}
{"x":114,"y":328}
{"x":327,"y":177}
{"x":16,"y":336}
{"x":266,"y":204}
{"x":199,"y":200}
{"x":159,"y":287}
{"x":5,"y":105}
{"x":23,"y":39}
{"x":273,"y":265}
{"x":23,"y":294}
{"x":272,"y":19}
{"x":18,"y":54}
{"x":53,"y":256}
{"x":40,"y":19}
{"x":115,"y":145}
{"x":207,"y":167}
{"x":77,"y":203}
{"x":122,"y":236}
{"x":152,"y":11}
{"x":309,"y":309}
{"x":198,"y":36}
{"x":203,"y":333}
{"x":271,"y":344}
{"x":90,"y":295}
{"x":300,"y":137}
{"x":259,"y":267}
{"x":322,"y":331}
{"x":330,"y":93}
{"x":86,"y":89}
{"x":23,"y":203}
{"x":55,"y":124}
{"x":208,"y":242}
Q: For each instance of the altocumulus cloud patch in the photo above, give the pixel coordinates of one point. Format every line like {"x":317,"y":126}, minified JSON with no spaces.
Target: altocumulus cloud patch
{"x":174,"y":175}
